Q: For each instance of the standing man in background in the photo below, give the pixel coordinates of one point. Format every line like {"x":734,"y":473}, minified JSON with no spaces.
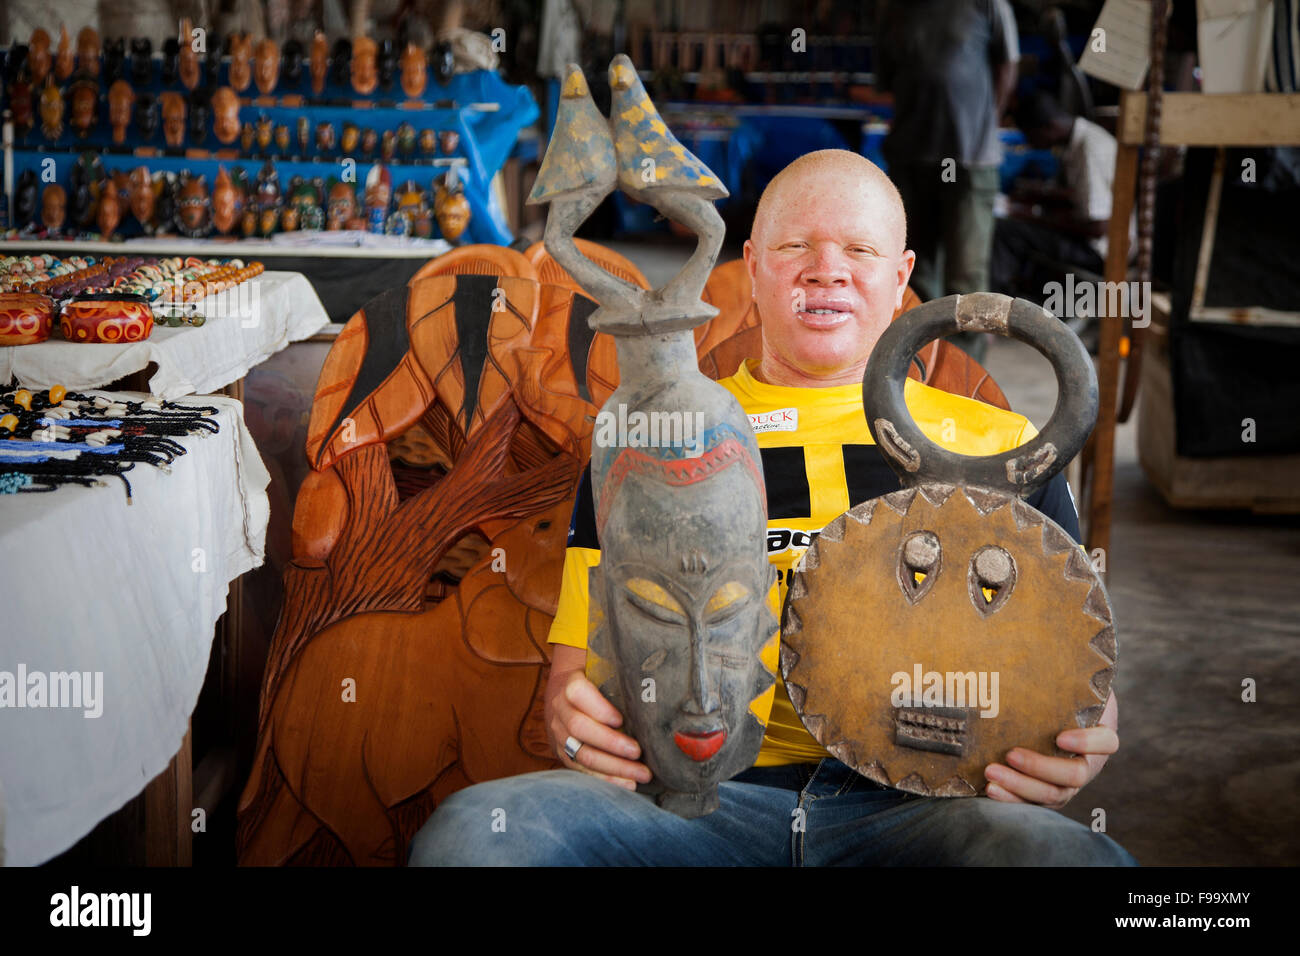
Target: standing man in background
{"x":951,"y":65}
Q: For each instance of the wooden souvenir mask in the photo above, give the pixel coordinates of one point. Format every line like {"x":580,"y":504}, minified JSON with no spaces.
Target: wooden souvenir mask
{"x":325,"y":137}
{"x":264,"y":130}
{"x":51,"y":112}
{"x":38,"y":56}
{"x":387,"y":61}
{"x":365,"y":74}
{"x":88,"y":51}
{"x":141,"y":60}
{"x":140,"y":195}
{"x":266,"y":66}
{"x":171,"y":52}
{"x":291,"y":63}
{"x":85,"y":99}
{"x":340,"y":60}
{"x":109,"y":213}
{"x":188,"y":57}
{"x":25,"y":198}
{"x":146,"y":116}
{"x":114,"y":60}
{"x":54,"y":207}
{"x":226,"y":208}
{"x":451,"y":209}
{"x":929,"y":631}
{"x":193,"y":208}
{"x":415,"y":71}
{"x":121,"y":99}
{"x":342,"y":205}
{"x":683,"y":635}
{"x":200,"y":107}
{"x":20,"y":103}
{"x":319,"y":62}
{"x":173,"y":116}
{"x":348,"y":142}
{"x":63,"y":61}
{"x":225,"y":115}
{"x":241,"y":52}
{"x":405,"y":140}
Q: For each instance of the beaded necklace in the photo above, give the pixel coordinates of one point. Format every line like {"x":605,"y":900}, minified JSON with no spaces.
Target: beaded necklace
{"x":54,"y":437}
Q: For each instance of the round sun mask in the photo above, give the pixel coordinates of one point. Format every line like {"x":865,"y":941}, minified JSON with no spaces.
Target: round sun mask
{"x":929,"y":631}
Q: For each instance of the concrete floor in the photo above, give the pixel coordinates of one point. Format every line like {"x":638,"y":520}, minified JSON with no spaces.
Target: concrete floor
{"x":1202,"y":601}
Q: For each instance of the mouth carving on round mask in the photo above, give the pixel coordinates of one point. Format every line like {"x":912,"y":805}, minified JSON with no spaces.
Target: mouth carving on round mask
{"x":684,"y":638}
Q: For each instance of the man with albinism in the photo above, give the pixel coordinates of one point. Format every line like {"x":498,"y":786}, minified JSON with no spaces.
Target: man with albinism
{"x":829,"y":266}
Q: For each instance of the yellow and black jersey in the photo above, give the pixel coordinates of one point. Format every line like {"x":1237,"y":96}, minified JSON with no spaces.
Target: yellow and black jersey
{"x":818,"y":461}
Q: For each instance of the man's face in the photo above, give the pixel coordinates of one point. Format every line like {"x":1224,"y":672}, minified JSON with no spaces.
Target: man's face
{"x":828,"y":270}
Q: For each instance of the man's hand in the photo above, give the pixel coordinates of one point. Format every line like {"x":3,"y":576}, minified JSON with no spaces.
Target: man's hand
{"x":1053,"y":781}
{"x":575,"y":707}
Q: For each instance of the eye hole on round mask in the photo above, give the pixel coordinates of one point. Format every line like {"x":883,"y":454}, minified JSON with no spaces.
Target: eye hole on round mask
{"x":991,"y":578}
{"x":920,"y":561}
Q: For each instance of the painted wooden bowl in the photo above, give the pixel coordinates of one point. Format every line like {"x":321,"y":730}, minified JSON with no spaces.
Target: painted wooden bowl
{"x":116,"y":319}
{"x":25,"y":318}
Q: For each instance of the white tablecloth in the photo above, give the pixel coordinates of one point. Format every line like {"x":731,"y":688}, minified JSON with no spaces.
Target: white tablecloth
{"x":132,"y":592}
{"x":244,"y":327}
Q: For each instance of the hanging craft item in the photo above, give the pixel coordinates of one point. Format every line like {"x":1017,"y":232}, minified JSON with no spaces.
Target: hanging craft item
{"x":188,"y":59}
{"x":63,"y":61}
{"x":38,"y":56}
{"x":54,"y":208}
{"x":53,"y":437}
{"x":88,"y":51}
{"x":193,"y":208}
{"x":121,"y":101}
{"x":680,"y":602}
{"x":108,"y":214}
{"x":319,"y":62}
{"x":365,"y":73}
{"x":929,"y":631}
{"x":450,"y":206}
{"x":85,"y":103}
{"x":141,"y":60}
{"x":51,"y":112}
{"x":173,"y":115}
{"x":240,"y":74}
{"x":266,"y":66}
{"x":415,"y":71}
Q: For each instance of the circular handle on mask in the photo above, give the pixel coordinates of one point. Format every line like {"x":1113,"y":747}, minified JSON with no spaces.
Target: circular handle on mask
{"x":915,"y":458}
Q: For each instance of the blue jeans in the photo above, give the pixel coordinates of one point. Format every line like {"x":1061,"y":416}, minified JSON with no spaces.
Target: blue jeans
{"x":797,"y":815}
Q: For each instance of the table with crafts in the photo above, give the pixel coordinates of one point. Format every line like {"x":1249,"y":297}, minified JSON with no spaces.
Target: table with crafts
{"x":127,"y":590}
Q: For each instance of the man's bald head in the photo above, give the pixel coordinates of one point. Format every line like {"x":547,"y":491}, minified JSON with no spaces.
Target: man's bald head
{"x":829,"y":266}
{"x":848,"y":171}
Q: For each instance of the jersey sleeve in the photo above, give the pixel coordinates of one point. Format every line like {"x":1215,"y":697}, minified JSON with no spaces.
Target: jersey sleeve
{"x":580,"y":556}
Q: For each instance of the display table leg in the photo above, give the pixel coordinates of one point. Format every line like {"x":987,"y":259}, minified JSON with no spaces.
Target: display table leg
{"x":167,"y":802}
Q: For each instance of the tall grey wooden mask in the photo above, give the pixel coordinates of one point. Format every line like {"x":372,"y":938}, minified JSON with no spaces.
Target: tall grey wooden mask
{"x":682,"y":637}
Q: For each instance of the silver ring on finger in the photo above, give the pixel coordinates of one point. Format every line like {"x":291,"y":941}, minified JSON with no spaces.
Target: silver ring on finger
{"x":571,"y":747}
